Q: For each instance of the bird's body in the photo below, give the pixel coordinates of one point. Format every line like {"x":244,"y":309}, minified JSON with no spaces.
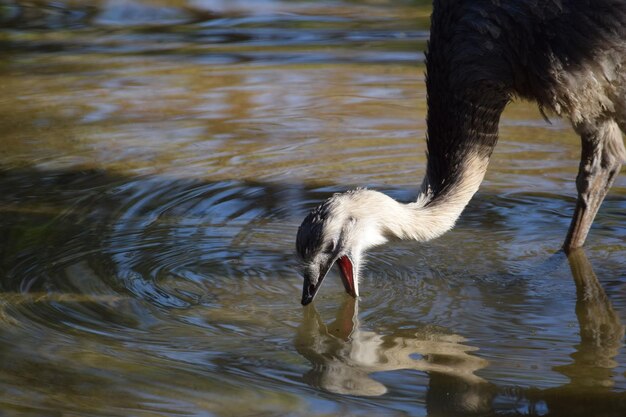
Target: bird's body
{"x":569,"y":56}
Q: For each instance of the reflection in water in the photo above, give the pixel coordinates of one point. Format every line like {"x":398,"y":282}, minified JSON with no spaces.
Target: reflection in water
{"x":601,"y":338}
{"x":157,"y":157}
{"x":588,"y":392}
{"x":343,"y":355}
{"x":601,"y":331}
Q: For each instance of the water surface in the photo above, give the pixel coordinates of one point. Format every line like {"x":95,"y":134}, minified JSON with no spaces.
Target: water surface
{"x":157,"y":158}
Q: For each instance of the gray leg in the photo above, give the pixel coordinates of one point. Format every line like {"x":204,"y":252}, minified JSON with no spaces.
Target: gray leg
{"x":602,"y":157}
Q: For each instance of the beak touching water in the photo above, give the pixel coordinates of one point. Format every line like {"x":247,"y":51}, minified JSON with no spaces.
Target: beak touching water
{"x":346,"y":270}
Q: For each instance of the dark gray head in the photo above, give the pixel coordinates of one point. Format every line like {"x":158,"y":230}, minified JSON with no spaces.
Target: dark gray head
{"x":339,"y":230}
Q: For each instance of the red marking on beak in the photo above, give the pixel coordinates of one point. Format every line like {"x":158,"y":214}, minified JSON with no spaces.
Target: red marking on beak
{"x":347,"y":274}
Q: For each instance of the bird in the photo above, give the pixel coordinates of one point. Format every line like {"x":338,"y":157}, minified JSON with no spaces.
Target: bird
{"x":568,"y":56}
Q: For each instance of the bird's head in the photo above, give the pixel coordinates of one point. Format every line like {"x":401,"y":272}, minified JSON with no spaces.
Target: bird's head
{"x":338,"y":231}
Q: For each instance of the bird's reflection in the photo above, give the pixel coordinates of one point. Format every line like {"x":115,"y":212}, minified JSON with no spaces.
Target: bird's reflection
{"x":601,"y":331}
{"x":343,"y":355}
{"x":589,"y":390}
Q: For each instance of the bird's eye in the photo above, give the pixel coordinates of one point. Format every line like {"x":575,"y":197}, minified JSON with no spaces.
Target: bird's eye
{"x":329,"y":248}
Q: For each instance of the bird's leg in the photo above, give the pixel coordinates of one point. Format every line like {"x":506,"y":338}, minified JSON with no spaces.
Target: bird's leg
{"x":601,"y":159}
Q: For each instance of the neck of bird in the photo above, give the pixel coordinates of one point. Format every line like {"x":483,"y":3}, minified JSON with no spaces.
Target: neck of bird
{"x":461,"y":138}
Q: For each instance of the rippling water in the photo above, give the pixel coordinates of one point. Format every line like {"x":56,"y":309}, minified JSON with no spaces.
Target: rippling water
{"x":157,"y":158}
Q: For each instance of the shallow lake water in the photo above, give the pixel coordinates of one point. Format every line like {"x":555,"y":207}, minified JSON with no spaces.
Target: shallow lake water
{"x":156,"y":160}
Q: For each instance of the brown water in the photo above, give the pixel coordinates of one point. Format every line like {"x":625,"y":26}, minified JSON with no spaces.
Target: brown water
{"x":157,"y":158}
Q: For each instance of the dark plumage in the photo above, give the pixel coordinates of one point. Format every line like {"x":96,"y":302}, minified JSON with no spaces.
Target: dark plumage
{"x":569,"y":56}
